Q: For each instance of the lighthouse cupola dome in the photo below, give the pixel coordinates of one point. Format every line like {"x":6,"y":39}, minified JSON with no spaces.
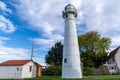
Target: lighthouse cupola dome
{"x":69,"y":9}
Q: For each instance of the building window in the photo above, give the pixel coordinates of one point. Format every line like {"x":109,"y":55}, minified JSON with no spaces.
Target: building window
{"x":112,"y":68}
{"x":113,"y":59}
{"x":17,"y":69}
{"x":65,"y":60}
{"x":30,"y":68}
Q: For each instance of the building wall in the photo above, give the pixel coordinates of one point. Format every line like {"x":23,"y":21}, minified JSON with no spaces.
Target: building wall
{"x":114,"y":63}
{"x":34,"y":71}
{"x":27,"y":72}
{"x":112,"y":68}
{"x":117,"y":58}
{"x":111,"y":61}
{"x":39,"y":71}
{"x":10,"y":71}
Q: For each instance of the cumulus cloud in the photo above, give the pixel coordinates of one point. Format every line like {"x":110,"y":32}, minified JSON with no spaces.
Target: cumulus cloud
{"x":42,"y":15}
{"x":8,"y":53}
{"x":6,"y":25}
{"x":46,"y":44}
{"x":12,"y":53}
{"x":76,"y":3}
{"x":115,"y":41}
{"x":3,"y":7}
{"x":45,"y":17}
{"x":2,"y":39}
{"x":101,"y":15}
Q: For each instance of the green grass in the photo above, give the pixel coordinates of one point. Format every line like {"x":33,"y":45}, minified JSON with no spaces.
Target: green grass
{"x":103,"y":77}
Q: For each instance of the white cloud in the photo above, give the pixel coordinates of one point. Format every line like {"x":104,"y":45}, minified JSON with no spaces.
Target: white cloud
{"x":4,"y":8}
{"x":115,"y":41}
{"x":6,"y":25}
{"x":7,"y":50}
{"x":12,"y":53}
{"x":45,"y":17}
{"x":101,"y":15}
{"x":42,"y":15}
{"x":8,"y":53}
{"x":46,"y":44}
{"x":2,"y":39}
{"x":76,"y":3}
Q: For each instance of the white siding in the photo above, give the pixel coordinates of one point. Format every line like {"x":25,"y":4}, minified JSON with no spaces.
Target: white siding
{"x":117,"y":58}
{"x":26,"y":73}
{"x":34,"y":71}
{"x":18,"y":71}
{"x":10,"y":71}
{"x":112,"y":68}
{"x":114,"y":64}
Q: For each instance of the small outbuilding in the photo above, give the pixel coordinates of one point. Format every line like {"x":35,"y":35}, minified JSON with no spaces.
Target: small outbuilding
{"x":20,"y":69}
{"x":113,"y":61}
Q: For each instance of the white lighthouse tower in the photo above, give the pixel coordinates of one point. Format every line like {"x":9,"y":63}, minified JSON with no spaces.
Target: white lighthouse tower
{"x":71,"y":67}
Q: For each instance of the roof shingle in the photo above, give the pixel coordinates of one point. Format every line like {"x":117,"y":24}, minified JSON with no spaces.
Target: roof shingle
{"x":112,"y":53}
{"x":14,"y":62}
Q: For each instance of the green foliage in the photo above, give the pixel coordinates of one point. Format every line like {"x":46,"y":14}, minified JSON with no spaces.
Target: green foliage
{"x":87,"y":71}
{"x":53,"y":70}
{"x":104,"y":70}
{"x":93,"y":48}
{"x":54,"y":59}
{"x":55,"y":55}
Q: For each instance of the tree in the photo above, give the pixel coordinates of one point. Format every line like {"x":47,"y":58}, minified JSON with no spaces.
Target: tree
{"x":93,"y":48}
{"x":55,"y":55}
{"x":54,"y":59}
{"x":53,"y":70}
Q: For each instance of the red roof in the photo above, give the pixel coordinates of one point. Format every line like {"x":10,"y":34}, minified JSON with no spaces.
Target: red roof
{"x":15,"y":62}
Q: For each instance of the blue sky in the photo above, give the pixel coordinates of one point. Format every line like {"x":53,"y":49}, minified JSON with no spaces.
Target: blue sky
{"x":22,"y":20}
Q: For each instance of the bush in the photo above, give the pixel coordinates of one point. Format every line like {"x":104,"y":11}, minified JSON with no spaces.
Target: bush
{"x":103,"y":70}
{"x":53,"y":70}
{"x":87,"y":71}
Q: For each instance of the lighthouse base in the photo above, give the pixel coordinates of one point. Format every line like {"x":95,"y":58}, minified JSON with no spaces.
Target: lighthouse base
{"x":71,"y":72}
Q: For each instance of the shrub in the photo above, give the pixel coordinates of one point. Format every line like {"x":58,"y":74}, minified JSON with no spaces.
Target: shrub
{"x":103,"y":70}
{"x":53,"y":70}
{"x":87,"y":71}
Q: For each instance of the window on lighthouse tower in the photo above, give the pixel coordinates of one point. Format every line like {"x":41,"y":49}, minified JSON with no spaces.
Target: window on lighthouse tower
{"x":65,"y":60}
{"x":66,"y":16}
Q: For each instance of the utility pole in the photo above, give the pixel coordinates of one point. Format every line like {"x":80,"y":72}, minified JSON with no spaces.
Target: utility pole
{"x":32,"y":51}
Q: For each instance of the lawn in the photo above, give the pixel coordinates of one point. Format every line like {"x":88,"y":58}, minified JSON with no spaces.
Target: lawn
{"x":103,"y":77}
